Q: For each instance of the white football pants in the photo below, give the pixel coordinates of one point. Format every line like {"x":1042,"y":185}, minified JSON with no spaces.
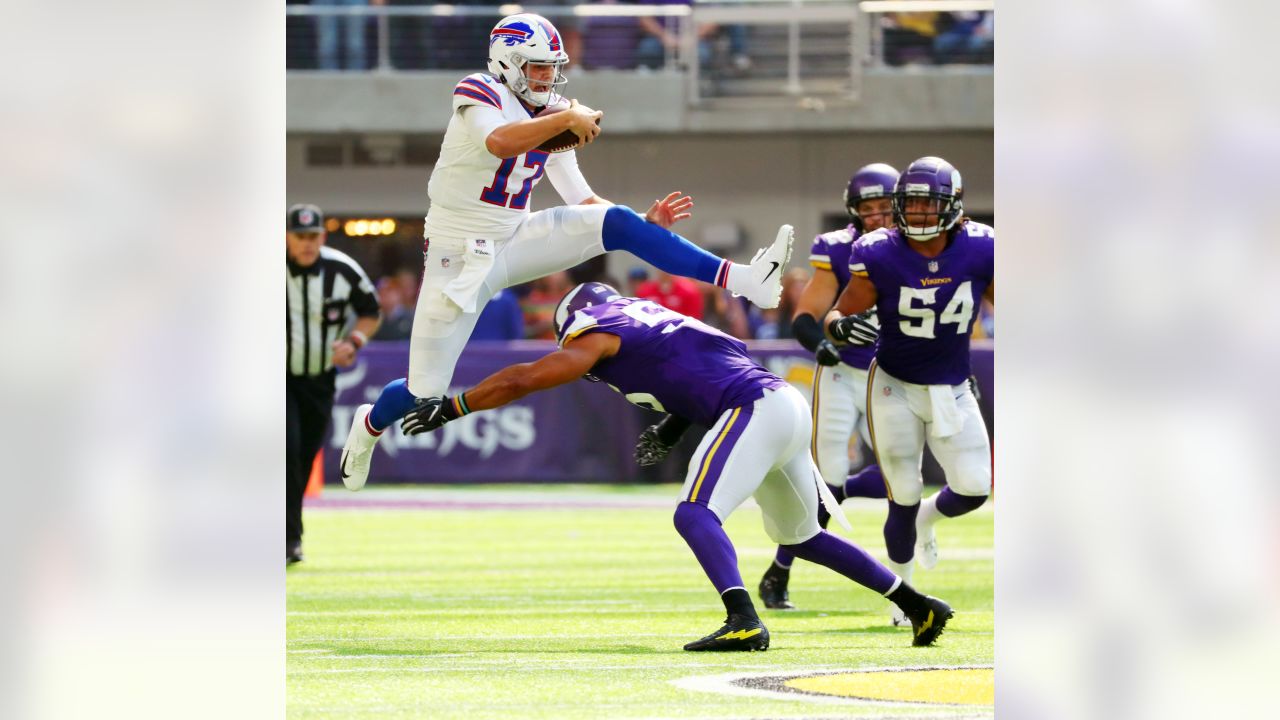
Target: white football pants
{"x":901,"y":417}
{"x":761,"y":449}
{"x":547,"y":241}
{"x":839,"y":407}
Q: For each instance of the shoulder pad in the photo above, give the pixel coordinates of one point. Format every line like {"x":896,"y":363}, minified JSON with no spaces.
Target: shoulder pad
{"x":477,"y":89}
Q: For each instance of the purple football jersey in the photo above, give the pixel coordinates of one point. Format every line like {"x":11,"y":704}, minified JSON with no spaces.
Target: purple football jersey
{"x":672,"y":363}
{"x":831,"y":252}
{"x":926,"y":306}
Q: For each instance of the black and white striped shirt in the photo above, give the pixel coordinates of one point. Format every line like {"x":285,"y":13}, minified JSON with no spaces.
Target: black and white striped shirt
{"x":318,"y":305}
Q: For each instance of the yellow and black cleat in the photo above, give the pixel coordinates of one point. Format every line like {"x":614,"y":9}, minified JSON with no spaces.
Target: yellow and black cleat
{"x":740,"y":633}
{"x":927,"y":624}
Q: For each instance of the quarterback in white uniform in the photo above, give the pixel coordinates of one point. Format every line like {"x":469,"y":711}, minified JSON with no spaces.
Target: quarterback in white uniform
{"x":481,"y":236}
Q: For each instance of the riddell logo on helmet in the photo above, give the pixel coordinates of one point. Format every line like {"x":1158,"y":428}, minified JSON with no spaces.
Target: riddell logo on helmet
{"x":513,"y":34}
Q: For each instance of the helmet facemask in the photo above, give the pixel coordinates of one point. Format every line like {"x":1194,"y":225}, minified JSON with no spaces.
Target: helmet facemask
{"x":922,"y":214}
{"x":538,"y":92}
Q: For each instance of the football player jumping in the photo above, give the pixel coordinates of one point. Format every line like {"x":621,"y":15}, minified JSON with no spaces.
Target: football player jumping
{"x":757,"y":445}
{"x":481,"y":236}
{"x":840,"y":380}
{"x":926,"y":277}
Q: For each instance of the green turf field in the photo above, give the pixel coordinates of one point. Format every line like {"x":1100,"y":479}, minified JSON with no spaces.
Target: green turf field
{"x":546,"y":612}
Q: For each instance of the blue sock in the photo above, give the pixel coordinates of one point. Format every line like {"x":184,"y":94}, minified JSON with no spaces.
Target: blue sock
{"x":701,"y":529}
{"x":624,"y":229}
{"x":900,"y":532}
{"x":953,"y":504}
{"x":394,"y":402}
{"x":847,"y":559}
{"x":867,"y":482}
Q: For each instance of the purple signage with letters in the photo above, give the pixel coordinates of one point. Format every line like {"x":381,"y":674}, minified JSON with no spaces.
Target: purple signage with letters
{"x":582,"y":432}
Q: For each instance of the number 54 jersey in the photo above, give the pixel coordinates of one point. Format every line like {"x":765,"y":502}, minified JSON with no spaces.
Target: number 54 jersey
{"x":926,"y":306}
{"x":477,"y":195}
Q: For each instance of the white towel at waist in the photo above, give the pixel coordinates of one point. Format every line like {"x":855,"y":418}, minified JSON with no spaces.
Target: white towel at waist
{"x":477,"y":261}
{"x":947,"y":420}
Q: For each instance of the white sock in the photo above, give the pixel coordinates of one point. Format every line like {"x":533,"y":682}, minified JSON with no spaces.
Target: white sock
{"x":902,"y":570}
{"x":737,"y":278}
{"x":928,"y":513}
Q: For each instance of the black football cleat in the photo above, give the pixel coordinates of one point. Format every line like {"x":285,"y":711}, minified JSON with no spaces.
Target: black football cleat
{"x":293,"y":554}
{"x":927,"y":624}
{"x":773,"y":589}
{"x":739,"y":633}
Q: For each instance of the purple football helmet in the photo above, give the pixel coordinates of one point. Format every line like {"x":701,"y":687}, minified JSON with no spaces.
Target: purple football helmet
{"x":937,"y":181}
{"x":582,"y":296}
{"x":869,"y":182}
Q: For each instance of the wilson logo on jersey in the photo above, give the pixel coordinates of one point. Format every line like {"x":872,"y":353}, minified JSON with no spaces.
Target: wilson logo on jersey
{"x":515,"y":33}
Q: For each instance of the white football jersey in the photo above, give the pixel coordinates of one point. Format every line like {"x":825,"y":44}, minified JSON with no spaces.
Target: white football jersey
{"x":476,"y":195}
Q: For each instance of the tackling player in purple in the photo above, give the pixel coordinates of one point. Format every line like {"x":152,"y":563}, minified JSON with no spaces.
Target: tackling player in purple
{"x":840,"y":379}
{"x":757,"y":444}
{"x":926,"y":278}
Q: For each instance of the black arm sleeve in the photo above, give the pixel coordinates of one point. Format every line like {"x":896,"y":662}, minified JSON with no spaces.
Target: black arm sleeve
{"x":806,"y":329}
{"x":671,"y":428}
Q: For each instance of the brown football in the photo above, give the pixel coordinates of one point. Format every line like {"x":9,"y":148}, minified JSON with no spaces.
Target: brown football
{"x":566,"y":140}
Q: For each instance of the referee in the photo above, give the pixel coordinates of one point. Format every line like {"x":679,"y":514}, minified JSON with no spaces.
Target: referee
{"x":325,"y":287}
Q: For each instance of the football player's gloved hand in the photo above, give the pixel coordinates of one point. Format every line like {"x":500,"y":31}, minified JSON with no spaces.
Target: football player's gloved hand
{"x":657,"y":440}
{"x":860,"y":329}
{"x":973,"y":385}
{"x":650,"y":450}
{"x":427,"y":415}
{"x":827,"y":354}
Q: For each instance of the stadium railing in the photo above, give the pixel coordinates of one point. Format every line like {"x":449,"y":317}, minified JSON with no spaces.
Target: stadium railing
{"x":764,"y":48}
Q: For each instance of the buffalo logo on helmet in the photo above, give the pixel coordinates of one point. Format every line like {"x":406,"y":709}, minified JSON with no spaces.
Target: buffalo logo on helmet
{"x":512,"y":33}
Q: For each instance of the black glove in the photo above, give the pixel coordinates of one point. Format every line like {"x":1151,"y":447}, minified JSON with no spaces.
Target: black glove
{"x":827,"y":354}
{"x":860,"y":329}
{"x":650,"y":450}
{"x":973,"y":385}
{"x":657,"y":440}
{"x":427,"y":415}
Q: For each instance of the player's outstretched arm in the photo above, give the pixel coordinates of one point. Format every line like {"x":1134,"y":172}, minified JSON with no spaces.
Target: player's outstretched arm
{"x":512,"y":139}
{"x":565,"y":365}
{"x":816,"y":299}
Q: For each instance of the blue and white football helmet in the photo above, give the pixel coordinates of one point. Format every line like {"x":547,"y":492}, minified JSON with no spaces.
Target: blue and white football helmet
{"x":582,"y":296}
{"x":937,"y":180}
{"x":876,"y":180}
{"x":520,"y":40}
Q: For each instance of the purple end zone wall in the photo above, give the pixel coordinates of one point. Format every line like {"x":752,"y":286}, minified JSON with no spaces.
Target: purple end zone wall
{"x":582,"y":432}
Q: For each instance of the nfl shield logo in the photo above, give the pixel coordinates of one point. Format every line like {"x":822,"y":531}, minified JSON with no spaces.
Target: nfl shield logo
{"x":444,"y":262}
{"x":306,"y":218}
{"x":933,"y":266}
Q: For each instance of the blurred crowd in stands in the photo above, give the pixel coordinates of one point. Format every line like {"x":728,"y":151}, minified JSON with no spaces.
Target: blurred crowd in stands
{"x":526,"y":312}
{"x":433,"y":42}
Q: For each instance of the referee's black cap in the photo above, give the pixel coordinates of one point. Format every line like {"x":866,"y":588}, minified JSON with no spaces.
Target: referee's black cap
{"x":305,"y":217}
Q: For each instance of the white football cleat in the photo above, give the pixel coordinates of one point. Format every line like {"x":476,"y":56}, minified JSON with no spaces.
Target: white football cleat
{"x":899,"y":618}
{"x":767,"y":268}
{"x":358,"y":452}
{"x":926,"y":545}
